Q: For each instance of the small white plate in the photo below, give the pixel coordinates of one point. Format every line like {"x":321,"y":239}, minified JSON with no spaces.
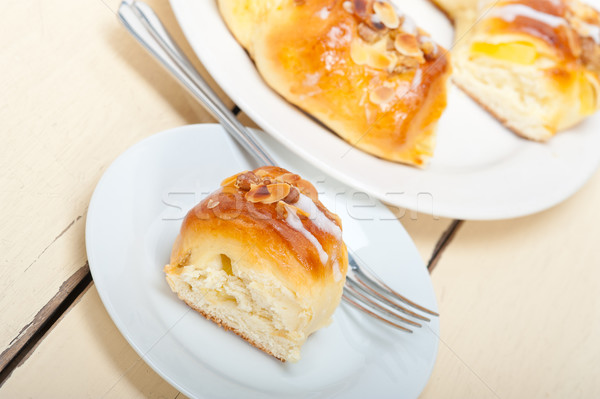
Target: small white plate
{"x":133,"y":219}
{"x":480,"y":170}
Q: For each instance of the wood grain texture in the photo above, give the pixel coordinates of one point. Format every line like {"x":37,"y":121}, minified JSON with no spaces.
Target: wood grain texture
{"x":442,"y":243}
{"x":519,"y":298}
{"x":426,"y":231}
{"x":49,"y":321}
{"x":85,"y":356}
{"x":76,"y":92}
{"x":45,"y":313}
{"x":520,"y":306}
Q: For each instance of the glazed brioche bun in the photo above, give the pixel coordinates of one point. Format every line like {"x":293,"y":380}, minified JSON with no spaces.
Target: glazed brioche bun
{"x":361,"y":67}
{"x":535,"y":65}
{"x":263,"y":258}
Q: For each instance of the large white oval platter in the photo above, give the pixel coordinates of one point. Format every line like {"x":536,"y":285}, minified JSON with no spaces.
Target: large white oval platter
{"x":480,"y":170}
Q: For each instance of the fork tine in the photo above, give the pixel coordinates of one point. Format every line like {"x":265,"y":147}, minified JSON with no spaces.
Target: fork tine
{"x":354,"y":300}
{"x":373,"y":283}
{"x":375,"y":291}
{"x":369,"y":293}
{"x":364,"y":296}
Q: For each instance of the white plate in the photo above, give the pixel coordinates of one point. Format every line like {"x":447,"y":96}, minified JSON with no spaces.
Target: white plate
{"x":480,"y":170}
{"x":133,"y":219}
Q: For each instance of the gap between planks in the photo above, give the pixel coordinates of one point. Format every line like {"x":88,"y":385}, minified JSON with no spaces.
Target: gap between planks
{"x":67,"y":296}
{"x":442,"y":244}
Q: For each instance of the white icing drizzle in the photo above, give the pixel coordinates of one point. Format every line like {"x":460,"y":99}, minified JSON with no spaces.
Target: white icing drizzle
{"x":311,"y":79}
{"x":417,"y":79}
{"x":375,"y":19}
{"x":403,"y":89}
{"x":348,"y":6}
{"x":510,"y":12}
{"x":409,"y":25}
{"x":592,"y":31}
{"x":317,"y":217}
{"x":323,"y":13}
{"x":337,"y":273}
{"x":338,"y":36}
{"x":427,"y":39}
{"x":363,"y":98}
{"x":329,"y":59}
{"x":295,"y":223}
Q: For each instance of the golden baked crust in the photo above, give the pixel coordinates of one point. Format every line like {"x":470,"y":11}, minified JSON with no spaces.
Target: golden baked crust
{"x":565,"y":26}
{"x":361,"y":67}
{"x":533,"y":64}
{"x":262,"y":257}
{"x":225,"y":326}
{"x":230,"y":212}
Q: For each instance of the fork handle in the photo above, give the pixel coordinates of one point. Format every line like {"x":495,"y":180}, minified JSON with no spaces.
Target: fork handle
{"x":141,"y":21}
{"x":145,"y":26}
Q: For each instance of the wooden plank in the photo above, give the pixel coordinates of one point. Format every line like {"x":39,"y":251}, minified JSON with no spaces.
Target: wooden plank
{"x":427,"y":232}
{"x":76,"y":92}
{"x":42,"y":317}
{"x":443,"y":242}
{"x":520,"y":306}
{"x":85,"y":356}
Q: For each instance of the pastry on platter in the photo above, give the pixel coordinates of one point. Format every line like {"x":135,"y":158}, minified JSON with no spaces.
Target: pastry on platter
{"x":534,"y":64}
{"x":361,"y":67}
{"x":262,"y":257}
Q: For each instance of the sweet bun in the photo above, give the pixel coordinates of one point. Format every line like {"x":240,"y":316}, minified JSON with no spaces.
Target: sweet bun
{"x":262,"y":257}
{"x":361,"y":67}
{"x":533,"y":64}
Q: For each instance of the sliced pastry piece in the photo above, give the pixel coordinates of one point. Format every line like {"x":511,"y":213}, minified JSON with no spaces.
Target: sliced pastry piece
{"x":361,"y":67}
{"x":534,"y":64}
{"x":262,"y":257}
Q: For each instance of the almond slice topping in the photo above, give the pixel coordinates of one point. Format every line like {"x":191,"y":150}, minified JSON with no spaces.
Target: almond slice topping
{"x":299,"y":212}
{"x":428,"y":47}
{"x":386,"y":13}
{"x":407,"y":44}
{"x":348,"y":6}
{"x":261,"y":173}
{"x":289,"y":178}
{"x":212,"y":204}
{"x":307,"y":189}
{"x":293,"y":196}
{"x":367,"y":34}
{"x":231,"y":179}
{"x":381,"y":95}
{"x":386,"y":60}
{"x":268,"y":194}
{"x":362,"y":7}
{"x":358,"y":52}
{"x":245,"y":181}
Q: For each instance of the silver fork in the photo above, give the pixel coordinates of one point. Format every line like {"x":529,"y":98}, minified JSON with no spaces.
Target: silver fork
{"x":363,"y":289}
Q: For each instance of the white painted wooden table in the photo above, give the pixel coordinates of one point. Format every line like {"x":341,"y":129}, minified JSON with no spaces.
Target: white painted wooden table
{"x":519,"y":299}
